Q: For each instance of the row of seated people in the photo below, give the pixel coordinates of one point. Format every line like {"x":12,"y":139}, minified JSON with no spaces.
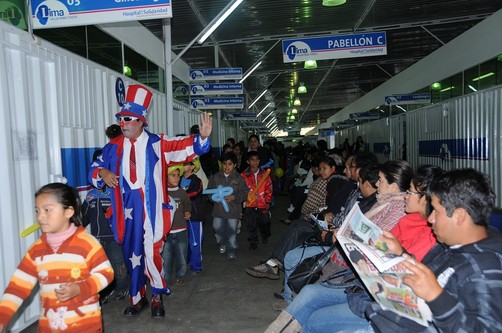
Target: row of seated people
{"x":454,"y":259}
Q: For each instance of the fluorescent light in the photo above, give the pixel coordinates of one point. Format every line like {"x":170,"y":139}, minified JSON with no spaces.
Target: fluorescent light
{"x":472,"y":88}
{"x":251,"y":71}
{"x":447,"y":89}
{"x":215,"y":23}
{"x":274,"y":128}
{"x":271,"y":113}
{"x":257,"y":98}
{"x":400,"y":107}
{"x":263,"y":109}
{"x":484,"y":76}
{"x":271,"y":122}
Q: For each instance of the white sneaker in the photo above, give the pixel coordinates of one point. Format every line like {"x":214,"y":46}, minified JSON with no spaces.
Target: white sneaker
{"x":239,"y":227}
{"x":291,"y":208}
{"x":222,"y":249}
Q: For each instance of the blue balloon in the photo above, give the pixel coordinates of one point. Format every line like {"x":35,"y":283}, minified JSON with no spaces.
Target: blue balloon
{"x":219,"y":194}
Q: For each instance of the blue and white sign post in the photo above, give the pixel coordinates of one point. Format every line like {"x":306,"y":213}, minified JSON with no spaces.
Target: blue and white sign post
{"x":217,"y":103}
{"x":64,"y":13}
{"x":215,"y":74}
{"x":334,"y":47}
{"x":408,"y":99}
{"x":211,"y":89}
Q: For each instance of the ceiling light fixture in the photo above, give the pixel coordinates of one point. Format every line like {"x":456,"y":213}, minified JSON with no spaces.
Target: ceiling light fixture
{"x":215,"y":23}
{"x":297,"y":102}
{"x":294,"y":111}
{"x":263,"y":109}
{"x":271,"y":113}
{"x":310,"y":64}
{"x":436,"y":86}
{"x":472,"y":88}
{"x":257,"y":98}
{"x":292,"y":117}
{"x":447,"y":89}
{"x":302,"y":89}
{"x":484,"y":76}
{"x":331,"y":3}
{"x":251,"y":71}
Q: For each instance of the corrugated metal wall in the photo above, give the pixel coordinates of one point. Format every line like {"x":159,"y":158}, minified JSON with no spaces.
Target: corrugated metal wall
{"x":464,"y":132}
{"x":54,"y":108}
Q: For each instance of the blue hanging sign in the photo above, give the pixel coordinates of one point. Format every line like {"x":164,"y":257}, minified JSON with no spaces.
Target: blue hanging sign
{"x":216,"y":89}
{"x":120,"y":91}
{"x":408,"y":99}
{"x":217,"y":103}
{"x":65,"y":13}
{"x":215,"y":74}
{"x":334,"y":47}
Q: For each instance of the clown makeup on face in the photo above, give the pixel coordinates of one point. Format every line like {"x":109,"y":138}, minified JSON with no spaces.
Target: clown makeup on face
{"x":131,"y":127}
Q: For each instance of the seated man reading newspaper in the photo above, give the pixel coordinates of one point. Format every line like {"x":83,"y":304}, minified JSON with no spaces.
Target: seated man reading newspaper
{"x":460,"y":279}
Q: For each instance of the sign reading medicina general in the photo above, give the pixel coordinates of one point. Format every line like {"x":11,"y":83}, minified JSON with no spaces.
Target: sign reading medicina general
{"x":64,"y":13}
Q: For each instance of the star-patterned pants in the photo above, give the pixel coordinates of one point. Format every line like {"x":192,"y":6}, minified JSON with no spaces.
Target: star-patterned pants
{"x":141,"y":255}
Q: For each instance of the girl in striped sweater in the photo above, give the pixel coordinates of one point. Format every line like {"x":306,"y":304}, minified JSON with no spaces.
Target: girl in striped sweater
{"x":69,"y":264}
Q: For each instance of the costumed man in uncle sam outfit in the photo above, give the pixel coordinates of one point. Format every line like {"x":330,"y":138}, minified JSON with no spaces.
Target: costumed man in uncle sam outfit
{"x":135,"y":166}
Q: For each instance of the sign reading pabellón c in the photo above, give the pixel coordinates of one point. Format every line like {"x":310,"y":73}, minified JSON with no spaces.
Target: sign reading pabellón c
{"x":334,"y":47}
{"x":217,"y":103}
{"x":64,"y":13}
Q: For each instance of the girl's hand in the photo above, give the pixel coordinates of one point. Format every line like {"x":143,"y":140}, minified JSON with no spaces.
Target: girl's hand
{"x":67,"y":291}
{"x":230,"y":198}
{"x":335,"y":231}
{"x":392,"y":243}
{"x":188,"y":215}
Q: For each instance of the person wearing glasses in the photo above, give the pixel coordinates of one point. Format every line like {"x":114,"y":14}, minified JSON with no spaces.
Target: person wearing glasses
{"x":134,"y":165}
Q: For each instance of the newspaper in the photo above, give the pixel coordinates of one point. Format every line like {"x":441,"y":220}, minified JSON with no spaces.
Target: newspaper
{"x":380,"y":271}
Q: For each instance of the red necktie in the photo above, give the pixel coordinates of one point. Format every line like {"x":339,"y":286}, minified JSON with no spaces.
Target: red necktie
{"x":132,"y":162}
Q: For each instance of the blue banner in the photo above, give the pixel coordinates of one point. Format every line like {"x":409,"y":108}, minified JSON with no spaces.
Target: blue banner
{"x":408,"y":99}
{"x":334,"y":47}
{"x":64,"y":13}
{"x":215,"y":74}
{"x":217,"y":103}
{"x":216,"y":89}
{"x":448,"y":149}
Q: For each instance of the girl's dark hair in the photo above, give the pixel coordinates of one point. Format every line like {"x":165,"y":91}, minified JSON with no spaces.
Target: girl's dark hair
{"x":399,"y":172}
{"x":67,"y":196}
{"x":254,"y":136}
{"x":328,"y":160}
{"x":424,"y":176}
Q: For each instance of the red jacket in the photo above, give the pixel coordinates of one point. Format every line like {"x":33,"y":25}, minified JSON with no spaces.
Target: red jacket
{"x":263,"y":194}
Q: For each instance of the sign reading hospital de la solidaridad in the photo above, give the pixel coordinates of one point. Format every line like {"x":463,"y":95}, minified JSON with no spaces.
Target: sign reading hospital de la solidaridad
{"x":64,"y":13}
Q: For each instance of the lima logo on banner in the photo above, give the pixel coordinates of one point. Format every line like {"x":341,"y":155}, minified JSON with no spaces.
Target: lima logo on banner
{"x":297,"y":48}
{"x":50,"y":9}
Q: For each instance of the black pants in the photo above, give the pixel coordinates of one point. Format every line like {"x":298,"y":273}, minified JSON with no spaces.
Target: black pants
{"x":296,"y":233}
{"x":256,"y":219}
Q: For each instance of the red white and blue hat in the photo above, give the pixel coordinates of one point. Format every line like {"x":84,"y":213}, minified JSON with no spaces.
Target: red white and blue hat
{"x":136,"y":103}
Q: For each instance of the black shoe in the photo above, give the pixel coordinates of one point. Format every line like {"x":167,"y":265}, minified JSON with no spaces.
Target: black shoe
{"x":134,"y":310}
{"x":279,"y":295}
{"x":264,"y":240}
{"x":158,"y":307}
{"x":253,"y":246}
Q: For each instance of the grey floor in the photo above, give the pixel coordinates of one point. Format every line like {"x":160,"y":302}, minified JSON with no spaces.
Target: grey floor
{"x":224,"y":299}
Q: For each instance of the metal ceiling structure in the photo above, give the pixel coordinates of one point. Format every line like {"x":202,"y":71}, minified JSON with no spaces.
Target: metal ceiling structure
{"x":254,"y":32}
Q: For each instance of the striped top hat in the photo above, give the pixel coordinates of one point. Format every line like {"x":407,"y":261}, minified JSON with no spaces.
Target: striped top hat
{"x":136,"y":103}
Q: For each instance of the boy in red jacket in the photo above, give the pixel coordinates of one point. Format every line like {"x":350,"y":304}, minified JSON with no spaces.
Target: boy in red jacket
{"x":257,"y":207}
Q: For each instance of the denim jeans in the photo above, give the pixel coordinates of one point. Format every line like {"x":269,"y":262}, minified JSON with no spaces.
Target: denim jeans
{"x":319,"y":308}
{"x":114,"y":253}
{"x":175,"y":252}
{"x":292,"y":259}
{"x":225,"y":231}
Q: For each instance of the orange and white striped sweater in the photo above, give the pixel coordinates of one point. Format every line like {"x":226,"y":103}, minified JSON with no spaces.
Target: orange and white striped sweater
{"x":80,"y":259}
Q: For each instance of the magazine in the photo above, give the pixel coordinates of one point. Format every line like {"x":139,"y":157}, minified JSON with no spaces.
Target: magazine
{"x":380,"y":271}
